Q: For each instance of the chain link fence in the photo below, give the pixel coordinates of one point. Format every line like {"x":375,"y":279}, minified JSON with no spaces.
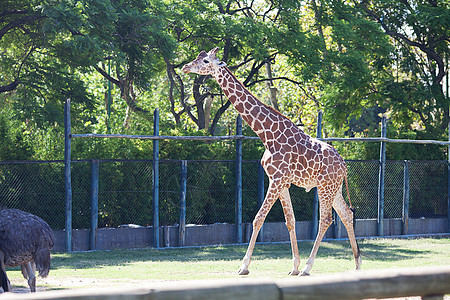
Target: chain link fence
{"x":428,"y":189}
{"x":363,"y":187}
{"x":36,"y":187}
{"x":125,"y":191}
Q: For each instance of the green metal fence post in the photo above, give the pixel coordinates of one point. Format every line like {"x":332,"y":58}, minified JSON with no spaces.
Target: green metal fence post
{"x":239,"y":181}
{"x":67,"y":176}
{"x":94,"y":204}
{"x":448,"y":148}
{"x":182,"y":228}
{"x":156,"y":179}
{"x":405,"y":218}
{"x":381,"y":179}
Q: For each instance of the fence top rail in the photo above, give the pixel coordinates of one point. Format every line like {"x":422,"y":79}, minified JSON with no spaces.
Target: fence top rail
{"x":243,"y":137}
{"x":89,"y":160}
{"x":166,"y":137}
{"x":387,"y":140}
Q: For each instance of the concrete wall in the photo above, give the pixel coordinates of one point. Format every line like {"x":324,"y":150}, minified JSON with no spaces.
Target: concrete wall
{"x":216,"y":234}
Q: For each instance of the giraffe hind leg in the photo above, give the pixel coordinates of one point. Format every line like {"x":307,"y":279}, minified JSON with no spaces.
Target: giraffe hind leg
{"x":348,"y":218}
{"x":354,"y":229}
{"x":326,"y":218}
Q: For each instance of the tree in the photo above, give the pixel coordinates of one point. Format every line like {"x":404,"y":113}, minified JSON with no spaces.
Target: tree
{"x":19,"y":37}
{"x":340,"y":60}
{"x":34,"y":82}
{"x":50,"y":45}
{"x":421,"y":35}
{"x":354,"y":60}
{"x":338,"y":54}
{"x":245,"y":31}
{"x":129,"y":36}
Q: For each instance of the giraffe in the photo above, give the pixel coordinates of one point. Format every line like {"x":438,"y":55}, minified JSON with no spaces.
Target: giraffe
{"x":291,"y":157}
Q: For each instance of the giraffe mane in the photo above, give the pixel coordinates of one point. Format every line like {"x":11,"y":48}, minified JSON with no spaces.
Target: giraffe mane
{"x":270,"y":108}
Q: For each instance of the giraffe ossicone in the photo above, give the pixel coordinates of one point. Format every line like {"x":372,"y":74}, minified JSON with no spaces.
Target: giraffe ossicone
{"x":291,"y":157}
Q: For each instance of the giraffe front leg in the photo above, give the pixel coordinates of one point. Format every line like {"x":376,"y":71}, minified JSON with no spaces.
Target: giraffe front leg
{"x":257,"y":224}
{"x":243,"y":270}
{"x":290,"y":224}
{"x":271,"y":197}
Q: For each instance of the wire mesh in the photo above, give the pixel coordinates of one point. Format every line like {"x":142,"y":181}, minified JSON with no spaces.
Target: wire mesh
{"x":393,"y":189}
{"x":35,"y":187}
{"x":363,"y":187}
{"x":81,"y":186}
{"x":250,"y":190}
{"x":126,"y":191}
{"x":169,"y":192}
{"x":428,"y":189}
{"x":210,"y":192}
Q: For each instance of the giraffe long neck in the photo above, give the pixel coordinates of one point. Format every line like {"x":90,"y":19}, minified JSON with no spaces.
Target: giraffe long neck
{"x":265,"y":121}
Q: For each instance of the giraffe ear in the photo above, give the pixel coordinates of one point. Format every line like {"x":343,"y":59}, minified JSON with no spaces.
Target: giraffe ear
{"x":213,"y":52}
{"x":222,"y":64}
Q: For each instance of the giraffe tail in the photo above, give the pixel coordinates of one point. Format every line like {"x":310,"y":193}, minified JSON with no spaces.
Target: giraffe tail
{"x":348,"y":193}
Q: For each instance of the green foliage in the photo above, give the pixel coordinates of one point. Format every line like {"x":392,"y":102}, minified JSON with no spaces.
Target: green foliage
{"x":354,"y":61}
{"x":415,"y":92}
{"x":12,"y":143}
{"x":118,"y":60}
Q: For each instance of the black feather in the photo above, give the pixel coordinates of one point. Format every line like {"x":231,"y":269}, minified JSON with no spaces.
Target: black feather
{"x":25,"y":238}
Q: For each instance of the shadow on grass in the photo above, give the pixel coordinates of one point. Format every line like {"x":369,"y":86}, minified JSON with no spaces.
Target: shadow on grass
{"x":371,"y":249}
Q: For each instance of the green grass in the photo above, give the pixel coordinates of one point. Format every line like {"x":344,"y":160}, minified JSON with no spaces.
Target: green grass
{"x":271,"y":261}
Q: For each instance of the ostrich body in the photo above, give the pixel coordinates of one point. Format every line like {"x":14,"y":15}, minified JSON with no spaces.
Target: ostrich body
{"x":25,"y":240}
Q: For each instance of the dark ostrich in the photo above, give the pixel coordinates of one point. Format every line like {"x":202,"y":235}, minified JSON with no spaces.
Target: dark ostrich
{"x":25,"y":240}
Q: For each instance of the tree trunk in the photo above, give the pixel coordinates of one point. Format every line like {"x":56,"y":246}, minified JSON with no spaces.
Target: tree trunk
{"x":272,"y":89}
{"x":207,"y":110}
{"x":199,"y":99}
{"x":128,"y":95}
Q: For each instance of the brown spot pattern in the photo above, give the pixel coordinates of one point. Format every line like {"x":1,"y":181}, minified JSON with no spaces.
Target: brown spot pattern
{"x":291,"y":157}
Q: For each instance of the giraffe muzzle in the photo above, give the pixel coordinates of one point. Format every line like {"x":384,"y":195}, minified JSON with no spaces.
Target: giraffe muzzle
{"x":186,"y":69}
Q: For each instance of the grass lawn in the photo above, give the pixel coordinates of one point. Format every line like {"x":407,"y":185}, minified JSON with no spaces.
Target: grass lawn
{"x":270,"y":261}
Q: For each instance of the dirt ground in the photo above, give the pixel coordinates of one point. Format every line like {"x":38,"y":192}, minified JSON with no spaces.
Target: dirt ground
{"x":48,"y":284}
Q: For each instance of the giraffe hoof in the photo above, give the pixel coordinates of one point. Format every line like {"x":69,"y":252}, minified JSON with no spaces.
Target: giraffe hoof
{"x":294,"y":273}
{"x":243,"y":272}
{"x":304,"y":274}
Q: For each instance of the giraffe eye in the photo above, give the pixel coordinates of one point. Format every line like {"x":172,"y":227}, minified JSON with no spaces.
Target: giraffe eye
{"x":206,"y":61}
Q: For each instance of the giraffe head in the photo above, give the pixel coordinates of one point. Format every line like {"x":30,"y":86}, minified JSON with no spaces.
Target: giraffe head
{"x":205,"y":63}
